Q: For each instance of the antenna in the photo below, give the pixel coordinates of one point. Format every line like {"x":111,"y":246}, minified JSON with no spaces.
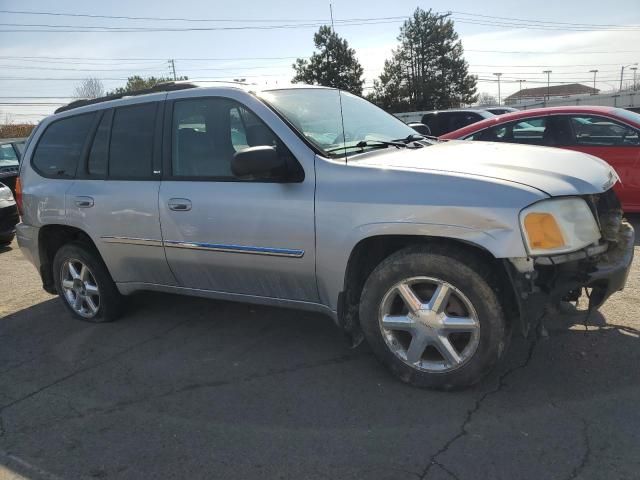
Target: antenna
{"x":344,"y":139}
{"x":331,"y":14}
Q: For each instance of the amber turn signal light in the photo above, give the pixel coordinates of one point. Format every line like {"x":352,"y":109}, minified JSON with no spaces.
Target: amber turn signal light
{"x":543,"y":231}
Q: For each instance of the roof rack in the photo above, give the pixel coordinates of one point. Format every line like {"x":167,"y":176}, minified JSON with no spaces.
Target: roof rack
{"x":160,"y":87}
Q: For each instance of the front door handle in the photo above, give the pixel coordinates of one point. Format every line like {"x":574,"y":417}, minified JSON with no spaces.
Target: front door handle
{"x":180,"y":204}
{"x":83,"y":202}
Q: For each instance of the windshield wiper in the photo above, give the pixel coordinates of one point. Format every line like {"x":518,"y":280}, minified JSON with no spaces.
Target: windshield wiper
{"x":369,"y":143}
{"x":415,"y":137}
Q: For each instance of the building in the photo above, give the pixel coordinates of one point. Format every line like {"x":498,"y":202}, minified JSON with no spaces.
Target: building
{"x":539,"y":94}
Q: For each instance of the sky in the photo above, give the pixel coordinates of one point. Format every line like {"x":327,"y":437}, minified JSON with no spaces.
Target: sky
{"x":570,"y":39}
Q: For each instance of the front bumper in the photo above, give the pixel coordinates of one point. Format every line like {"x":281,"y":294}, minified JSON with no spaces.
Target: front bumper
{"x":545,"y":281}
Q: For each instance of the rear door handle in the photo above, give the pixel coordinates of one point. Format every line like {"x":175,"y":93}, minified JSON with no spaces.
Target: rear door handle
{"x":179,"y":204}
{"x":83,"y":202}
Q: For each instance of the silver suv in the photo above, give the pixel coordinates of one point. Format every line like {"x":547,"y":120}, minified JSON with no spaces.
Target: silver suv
{"x":312,"y":198}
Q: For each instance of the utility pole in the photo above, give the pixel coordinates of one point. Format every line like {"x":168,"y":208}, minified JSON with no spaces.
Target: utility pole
{"x":548,"y":72}
{"x":498,"y":75}
{"x":594,"y":80}
{"x":635,"y":70}
{"x":622,"y":73}
{"x":519,"y":93}
{"x":172,"y":63}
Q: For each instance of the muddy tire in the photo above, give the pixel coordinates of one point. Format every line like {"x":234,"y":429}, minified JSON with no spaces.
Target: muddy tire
{"x":432,"y":316}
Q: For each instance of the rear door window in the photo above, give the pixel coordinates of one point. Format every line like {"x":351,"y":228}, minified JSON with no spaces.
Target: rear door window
{"x":602,"y":132}
{"x":131,"y":146}
{"x":530,"y":131}
{"x":60,"y":147}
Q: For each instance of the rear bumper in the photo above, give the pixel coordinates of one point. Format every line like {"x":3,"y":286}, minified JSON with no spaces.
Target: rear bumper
{"x":27,"y":237}
{"x":548,"y":280}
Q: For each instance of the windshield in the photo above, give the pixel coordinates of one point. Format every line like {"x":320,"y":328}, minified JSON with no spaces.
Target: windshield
{"x":8,"y":156}
{"x":629,"y":115}
{"x":315,"y":112}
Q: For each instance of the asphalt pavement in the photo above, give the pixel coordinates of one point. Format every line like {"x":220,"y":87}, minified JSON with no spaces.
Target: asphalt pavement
{"x":192,"y":388}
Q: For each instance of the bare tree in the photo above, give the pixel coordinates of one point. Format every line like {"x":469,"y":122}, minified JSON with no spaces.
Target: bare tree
{"x":89,"y":88}
{"x":486,"y":100}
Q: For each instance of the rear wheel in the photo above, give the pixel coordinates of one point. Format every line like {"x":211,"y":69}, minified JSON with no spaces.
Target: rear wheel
{"x":84,"y":284}
{"x":433,"y":318}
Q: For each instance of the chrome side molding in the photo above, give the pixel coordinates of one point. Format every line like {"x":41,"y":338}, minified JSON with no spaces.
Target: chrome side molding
{"x":149,"y":242}
{"x":213,"y":247}
{"x":218,"y":247}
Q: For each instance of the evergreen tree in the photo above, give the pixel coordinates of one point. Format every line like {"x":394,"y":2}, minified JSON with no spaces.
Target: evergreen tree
{"x":427,"y":71}
{"x":136,"y":83}
{"x":333,"y":65}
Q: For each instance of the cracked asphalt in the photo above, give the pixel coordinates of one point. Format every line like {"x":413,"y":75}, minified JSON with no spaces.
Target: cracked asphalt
{"x":191,"y":388}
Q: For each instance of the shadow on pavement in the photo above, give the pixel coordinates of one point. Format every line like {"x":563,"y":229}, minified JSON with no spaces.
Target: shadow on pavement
{"x":185,"y":387}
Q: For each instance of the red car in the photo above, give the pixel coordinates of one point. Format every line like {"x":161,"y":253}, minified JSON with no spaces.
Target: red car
{"x":612,"y":134}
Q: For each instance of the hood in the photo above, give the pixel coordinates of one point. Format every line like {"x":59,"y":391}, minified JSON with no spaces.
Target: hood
{"x":553,"y":171}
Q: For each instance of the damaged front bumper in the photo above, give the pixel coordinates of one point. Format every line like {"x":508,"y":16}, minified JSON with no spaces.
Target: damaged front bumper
{"x":541,"y":282}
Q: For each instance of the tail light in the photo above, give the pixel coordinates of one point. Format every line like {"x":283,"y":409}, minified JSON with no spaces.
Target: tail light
{"x":18,"y":195}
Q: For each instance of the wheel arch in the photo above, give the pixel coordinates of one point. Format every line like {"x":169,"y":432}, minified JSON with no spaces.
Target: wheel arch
{"x":367,"y":254}
{"x":51,"y":238}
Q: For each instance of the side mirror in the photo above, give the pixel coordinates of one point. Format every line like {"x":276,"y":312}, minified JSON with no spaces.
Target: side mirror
{"x":262,"y":161}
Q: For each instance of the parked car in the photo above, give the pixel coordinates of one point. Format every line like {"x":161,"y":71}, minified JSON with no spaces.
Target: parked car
{"x":431,"y":251}
{"x":10,"y":153}
{"x":8,"y":216}
{"x":500,"y":110}
{"x":421,"y":128}
{"x":445,"y":121}
{"x":612,"y":134}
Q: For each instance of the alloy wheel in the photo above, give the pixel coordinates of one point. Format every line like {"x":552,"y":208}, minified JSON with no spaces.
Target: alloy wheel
{"x":80,"y":288}
{"x":429,"y":324}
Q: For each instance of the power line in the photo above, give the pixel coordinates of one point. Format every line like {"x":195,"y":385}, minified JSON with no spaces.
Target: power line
{"x":543,"y":27}
{"x":45,"y":28}
{"x":598,"y":25}
{"x":491,"y":18}
{"x":172,"y":19}
{"x":189,"y":59}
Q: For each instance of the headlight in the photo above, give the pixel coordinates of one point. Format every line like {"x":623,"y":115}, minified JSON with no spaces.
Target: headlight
{"x":558,"y":225}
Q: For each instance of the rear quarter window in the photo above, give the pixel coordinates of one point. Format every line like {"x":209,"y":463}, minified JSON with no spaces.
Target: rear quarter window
{"x":59,"y":149}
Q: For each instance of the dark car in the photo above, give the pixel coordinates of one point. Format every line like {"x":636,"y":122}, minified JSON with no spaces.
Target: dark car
{"x":8,"y":216}
{"x":445,"y":121}
{"x":501,"y":110}
{"x":11,"y":150}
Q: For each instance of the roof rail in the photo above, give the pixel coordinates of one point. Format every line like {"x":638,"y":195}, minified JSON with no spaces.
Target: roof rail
{"x":160,"y":87}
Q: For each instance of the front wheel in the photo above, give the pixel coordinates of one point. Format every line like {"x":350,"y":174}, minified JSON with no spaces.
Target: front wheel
{"x":431,"y":315}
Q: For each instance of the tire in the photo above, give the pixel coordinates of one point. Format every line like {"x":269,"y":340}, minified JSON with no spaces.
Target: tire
{"x":103,"y":306}
{"x":6,"y":241}
{"x":468,"y":317}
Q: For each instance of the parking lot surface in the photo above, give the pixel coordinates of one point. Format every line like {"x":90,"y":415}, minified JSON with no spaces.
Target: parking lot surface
{"x":191,"y":388}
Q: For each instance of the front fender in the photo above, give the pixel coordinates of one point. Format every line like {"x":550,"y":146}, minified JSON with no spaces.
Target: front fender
{"x":333,"y":252}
